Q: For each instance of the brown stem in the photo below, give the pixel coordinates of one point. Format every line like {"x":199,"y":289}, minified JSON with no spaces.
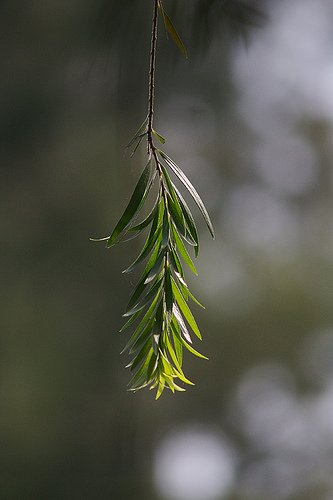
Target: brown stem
{"x":152,"y":71}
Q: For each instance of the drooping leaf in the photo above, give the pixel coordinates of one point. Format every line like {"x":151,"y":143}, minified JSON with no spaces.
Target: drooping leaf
{"x":139,"y":378}
{"x":179,"y":319}
{"x":185,"y":309}
{"x":142,"y":325}
{"x":175,"y":262}
{"x":139,"y":357}
{"x":141,"y":286}
{"x":168,"y":292}
{"x":156,"y":267}
{"x":150,"y":242}
{"x":182,"y":250}
{"x":191,"y":189}
{"x":172,"y":30}
{"x":142,"y":130}
{"x":134,"y":205}
{"x":189,"y":347}
{"x":165,"y":230}
{"x":192,"y":228}
{"x":159,"y":136}
{"x":147,"y":220}
{"x":155,"y":290}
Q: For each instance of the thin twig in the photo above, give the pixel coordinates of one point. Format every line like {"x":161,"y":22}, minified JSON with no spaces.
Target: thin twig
{"x":152,"y":71}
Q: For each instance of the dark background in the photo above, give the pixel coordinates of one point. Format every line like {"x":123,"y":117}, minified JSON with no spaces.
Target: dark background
{"x":249,"y":117}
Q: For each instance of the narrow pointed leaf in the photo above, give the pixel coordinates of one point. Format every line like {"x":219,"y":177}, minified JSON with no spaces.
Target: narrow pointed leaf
{"x":191,"y":189}
{"x":142,"y":130}
{"x":172,"y":31}
{"x":168,"y":292}
{"x":188,"y":346}
{"x":147,"y":220}
{"x":155,"y":290}
{"x":185,"y":309}
{"x":192,"y":228}
{"x":159,"y":137}
{"x":139,"y":357}
{"x":182,"y":250}
{"x":181,"y":322}
{"x":134,"y":205}
{"x":151,"y":240}
{"x":156,"y":267}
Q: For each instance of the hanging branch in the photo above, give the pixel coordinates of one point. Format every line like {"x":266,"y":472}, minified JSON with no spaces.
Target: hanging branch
{"x":159,"y":304}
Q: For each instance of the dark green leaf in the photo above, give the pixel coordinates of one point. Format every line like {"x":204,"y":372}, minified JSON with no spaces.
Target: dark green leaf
{"x":140,"y":376}
{"x":151,"y":240}
{"x":144,"y":323}
{"x":168,"y":292}
{"x":165,"y":230}
{"x":141,"y":286}
{"x":147,"y":220}
{"x":134,"y":205}
{"x":185,"y":309}
{"x":175,"y":262}
{"x":156,"y":267}
{"x":182,"y":250}
{"x":189,"y":186}
{"x":155,"y":290}
{"x":130,"y":321}
{"x":139,"y":357}
{"x":192,"y":228}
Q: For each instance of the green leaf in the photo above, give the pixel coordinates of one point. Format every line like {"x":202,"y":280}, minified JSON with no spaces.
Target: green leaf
{"x":151,"y":240}
{"x":179,"y":319}
{"x":187,"y":294}
{"x":173,"y":355}
{"x":144,"y":323}
{"x":130,"y":321}
{"x":159,"y":137}
{"x":139,"y":357}
{"x":165,"y":230}
{"x":140,"y":376}
{"x":160,"y":389}
{"x":175,"y":262}
{"x":172,"y":30}
{"x":134,"y":205}
{"x":141,"y":286}
{"x":185,"y":309}
{"x":186,"y":345}
{"x":155,"y":290}
{"x":192,"y":228}
{"x":182,"y":250}
{"x":168,"y":292}
{"x":147,"y":220}
{"x":156,"y":267}
{"x":191,"y":189}
{"x":142,"y":130}
{"x":178,"y":219}
{"x":178,"y":349}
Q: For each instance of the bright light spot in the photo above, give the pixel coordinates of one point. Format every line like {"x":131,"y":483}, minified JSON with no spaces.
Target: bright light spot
{"x":194,"y":465}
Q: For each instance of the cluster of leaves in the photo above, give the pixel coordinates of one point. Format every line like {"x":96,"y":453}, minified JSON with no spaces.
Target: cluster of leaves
{"x":159,"y":304}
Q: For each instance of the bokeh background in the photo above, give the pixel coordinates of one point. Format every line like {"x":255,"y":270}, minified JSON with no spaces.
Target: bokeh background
{"x":250,"y":118}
